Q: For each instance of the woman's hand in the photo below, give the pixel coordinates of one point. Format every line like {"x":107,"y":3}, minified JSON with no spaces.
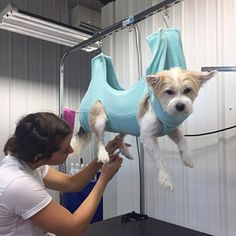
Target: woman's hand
{"x":114,"y":144}
{"x":109,"y":169}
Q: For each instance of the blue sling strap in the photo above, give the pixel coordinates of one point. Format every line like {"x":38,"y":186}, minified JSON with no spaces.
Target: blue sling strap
{"x":121,"y":105}
{"x":167,"y":51}
{"x":172,"y":56}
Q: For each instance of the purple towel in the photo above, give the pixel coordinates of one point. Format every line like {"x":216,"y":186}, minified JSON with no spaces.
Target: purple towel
{"x":69,"y":117}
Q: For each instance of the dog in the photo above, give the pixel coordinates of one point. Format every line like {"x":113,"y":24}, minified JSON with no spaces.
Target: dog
{"x":170,"y":92}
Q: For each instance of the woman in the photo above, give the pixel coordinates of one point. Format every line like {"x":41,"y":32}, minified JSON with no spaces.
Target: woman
{"x":40,"y":140}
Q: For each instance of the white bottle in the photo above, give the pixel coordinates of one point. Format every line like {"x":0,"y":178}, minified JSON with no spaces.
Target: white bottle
{"x":72,"y":169}
{"x":76,"y":167}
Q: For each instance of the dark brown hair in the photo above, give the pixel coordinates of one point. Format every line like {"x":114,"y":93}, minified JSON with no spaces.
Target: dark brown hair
{"x":37,"y":134}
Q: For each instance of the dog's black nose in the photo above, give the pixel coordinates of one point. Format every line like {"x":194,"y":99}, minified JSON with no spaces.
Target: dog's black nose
{"x":180,"y":106}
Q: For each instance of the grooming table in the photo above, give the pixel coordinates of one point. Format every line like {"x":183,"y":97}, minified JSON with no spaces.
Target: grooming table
{"x":146,"y":227}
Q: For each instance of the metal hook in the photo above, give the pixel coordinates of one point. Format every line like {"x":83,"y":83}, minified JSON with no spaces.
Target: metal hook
{"x":99,"y":44}
{"x":130,"y":28}
{"x":165,"y":14}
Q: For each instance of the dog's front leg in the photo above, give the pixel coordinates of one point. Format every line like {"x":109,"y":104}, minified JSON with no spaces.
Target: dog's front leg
{"x":97,"y":122}
{"x":151,"y":145}
{"x":149,"y":126}
{"x":185,"y":153}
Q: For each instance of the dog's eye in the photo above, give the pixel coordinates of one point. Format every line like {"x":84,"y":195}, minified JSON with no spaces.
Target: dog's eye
{"x":187,"y":90}
{"x":170,"y":92}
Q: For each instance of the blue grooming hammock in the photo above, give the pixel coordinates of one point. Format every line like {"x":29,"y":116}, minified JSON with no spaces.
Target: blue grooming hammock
{"x":121,"y":105}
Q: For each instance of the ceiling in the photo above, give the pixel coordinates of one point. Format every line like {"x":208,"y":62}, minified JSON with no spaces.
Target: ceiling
{"x":92,"y":4}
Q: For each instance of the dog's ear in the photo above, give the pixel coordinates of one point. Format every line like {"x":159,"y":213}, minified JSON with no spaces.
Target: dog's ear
{"x":202,"y":77}
{"x":152,"y":80}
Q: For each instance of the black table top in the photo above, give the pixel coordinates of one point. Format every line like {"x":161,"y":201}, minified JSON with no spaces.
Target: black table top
{"x":148,"y":227}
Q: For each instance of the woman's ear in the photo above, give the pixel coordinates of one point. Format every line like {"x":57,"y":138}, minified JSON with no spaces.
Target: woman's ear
{"x":38,"y":158}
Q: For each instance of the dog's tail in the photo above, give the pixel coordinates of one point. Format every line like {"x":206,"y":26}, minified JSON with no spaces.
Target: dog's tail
{"x":79,"y":141}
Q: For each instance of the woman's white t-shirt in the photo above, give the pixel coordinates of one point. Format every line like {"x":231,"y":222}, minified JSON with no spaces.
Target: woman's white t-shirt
{"x":22,"y":194}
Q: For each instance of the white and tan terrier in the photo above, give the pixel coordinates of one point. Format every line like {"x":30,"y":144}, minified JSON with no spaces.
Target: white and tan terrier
{"x":174,"y":91}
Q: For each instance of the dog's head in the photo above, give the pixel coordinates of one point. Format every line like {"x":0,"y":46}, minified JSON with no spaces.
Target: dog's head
{"x":176,"y":89}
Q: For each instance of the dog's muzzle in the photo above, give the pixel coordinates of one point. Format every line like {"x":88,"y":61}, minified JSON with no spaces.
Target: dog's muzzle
{"x":180,"y":106}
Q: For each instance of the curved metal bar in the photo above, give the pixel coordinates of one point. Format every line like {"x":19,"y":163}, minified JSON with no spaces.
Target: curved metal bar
{"x":108,"y":31}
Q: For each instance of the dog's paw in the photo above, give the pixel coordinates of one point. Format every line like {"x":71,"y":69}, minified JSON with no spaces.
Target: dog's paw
{"x":187,"y":159}
{"x":128,"y":155}
{"x":165,"y":180}
{"x":125,"y":152}
{"x":103,"y":155}
{"x":188,"y":162}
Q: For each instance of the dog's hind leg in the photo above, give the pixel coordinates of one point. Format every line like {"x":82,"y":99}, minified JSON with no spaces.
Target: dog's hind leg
{"x":177,"y":137}
{"x":97,"y":122}
{"x":149,"y":126}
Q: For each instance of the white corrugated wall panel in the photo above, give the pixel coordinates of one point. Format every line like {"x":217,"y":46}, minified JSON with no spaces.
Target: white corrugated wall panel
{"x":203,"y":197}
{"x":29,"y":70}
